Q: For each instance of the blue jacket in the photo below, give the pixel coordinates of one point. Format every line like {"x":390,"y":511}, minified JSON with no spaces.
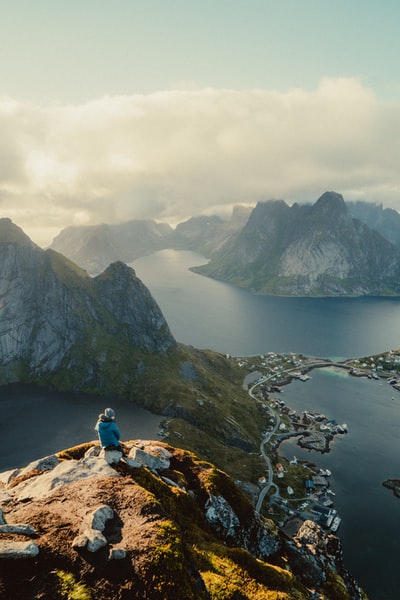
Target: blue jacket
{"x":108,"y":431}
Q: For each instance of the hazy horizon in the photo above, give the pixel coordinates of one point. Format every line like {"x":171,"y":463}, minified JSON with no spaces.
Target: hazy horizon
{"x":133,"y":110}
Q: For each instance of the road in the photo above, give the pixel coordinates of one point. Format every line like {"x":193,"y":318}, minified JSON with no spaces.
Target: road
{"x":265,"y":441}
{"x":276,"y":415}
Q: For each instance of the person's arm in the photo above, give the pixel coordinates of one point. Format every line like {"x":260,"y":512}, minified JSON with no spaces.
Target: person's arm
{"x":116,"y":432}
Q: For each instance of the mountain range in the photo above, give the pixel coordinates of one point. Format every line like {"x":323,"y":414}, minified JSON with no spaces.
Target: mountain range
{"x":308,"y":250}
{"x":331,"y":248}
{"x":384,"y":220}
{"x":95,"y":247}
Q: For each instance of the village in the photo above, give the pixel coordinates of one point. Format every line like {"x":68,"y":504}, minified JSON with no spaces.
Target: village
{"x":301,"y":489}
{"x":294,"y":491}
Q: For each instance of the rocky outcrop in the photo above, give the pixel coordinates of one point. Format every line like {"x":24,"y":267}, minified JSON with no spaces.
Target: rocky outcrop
{"x":169,"y":527}
{"x":316,"y":556}
{"x":254,"y":537}
{"x":394,"y":485}
{"x":54,"y":317}
{"x":317,"y":250}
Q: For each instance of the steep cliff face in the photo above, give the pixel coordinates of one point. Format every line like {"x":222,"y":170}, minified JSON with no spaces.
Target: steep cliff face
{"x":53,"y":315}
{"x":131,"y":304}
{"x":309,"y":250}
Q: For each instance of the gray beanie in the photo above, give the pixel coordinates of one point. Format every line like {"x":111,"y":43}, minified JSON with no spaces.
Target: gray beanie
{"x":110,"y":413}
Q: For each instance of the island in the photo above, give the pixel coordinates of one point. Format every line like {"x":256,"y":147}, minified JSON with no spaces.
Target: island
{"x":394,"y":485}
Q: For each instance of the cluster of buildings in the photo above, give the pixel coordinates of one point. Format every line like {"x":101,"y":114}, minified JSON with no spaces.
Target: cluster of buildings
{"x":318,"y":507}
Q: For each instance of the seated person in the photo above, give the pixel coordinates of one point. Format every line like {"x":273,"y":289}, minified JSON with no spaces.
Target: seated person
{"x":108,"y":432}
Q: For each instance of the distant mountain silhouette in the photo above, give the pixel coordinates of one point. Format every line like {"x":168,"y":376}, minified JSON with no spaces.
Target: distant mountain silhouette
{"x":318,"y":250}
{"x":384,"y":220}
{"x":95,"y":247}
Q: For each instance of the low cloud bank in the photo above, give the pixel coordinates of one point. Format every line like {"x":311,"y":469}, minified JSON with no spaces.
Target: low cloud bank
{"x":172,"y":154}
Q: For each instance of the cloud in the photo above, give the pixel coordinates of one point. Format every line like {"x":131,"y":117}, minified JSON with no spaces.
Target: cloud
{"x":172,"y":154}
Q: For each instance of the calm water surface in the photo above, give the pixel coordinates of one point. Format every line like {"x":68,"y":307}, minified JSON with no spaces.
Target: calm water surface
{"x":210,"y":314}
{"x":360,"y":461}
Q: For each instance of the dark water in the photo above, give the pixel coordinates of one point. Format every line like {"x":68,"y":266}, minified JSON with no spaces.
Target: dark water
{"x":35,"y":423}
{"x":360,"y":461}
{"x":209,"y":314}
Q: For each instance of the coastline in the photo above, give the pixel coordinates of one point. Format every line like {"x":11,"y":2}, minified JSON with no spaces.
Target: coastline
{"x":313,"y":431}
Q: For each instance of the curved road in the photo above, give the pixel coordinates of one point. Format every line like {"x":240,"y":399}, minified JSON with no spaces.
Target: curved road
{"x":264,"y":441}
{"x":267,"y":438}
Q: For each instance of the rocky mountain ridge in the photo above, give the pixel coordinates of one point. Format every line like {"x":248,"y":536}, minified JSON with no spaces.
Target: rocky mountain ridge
{"x":157,"y":523}
{"x":54,"y":317}
{"x":302,"y":250}
{"x":295,"y":253}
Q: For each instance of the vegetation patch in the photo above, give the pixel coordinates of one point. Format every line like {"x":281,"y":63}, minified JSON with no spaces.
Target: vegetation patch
{"x":70,"y":589}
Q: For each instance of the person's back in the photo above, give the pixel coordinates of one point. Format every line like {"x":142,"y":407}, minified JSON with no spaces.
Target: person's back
{"x":107,"y":429}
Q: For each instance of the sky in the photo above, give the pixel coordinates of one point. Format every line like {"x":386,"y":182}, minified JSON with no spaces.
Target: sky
{"x":165,"y":109}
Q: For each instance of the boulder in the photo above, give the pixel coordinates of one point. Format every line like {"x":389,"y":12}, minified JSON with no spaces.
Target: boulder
{"x":20,"y":529}
{"x":145,"y":459}
{"x":11,"y":549}
{"x":95,"y":540}
{"x":117,"y":554}
{"x":92,"y":539}
{"x":111,"y":456}
{"x":97,"y":519}
{"x":47,"y":463}
{"x":92,"y":451}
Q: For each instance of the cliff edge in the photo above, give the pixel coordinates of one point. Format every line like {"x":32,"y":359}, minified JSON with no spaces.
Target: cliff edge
{"x":159,"y":524}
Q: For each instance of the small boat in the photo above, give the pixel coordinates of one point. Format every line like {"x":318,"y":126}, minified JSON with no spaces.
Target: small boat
{"x":336,"y":523}
{"x":304,"y":377}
